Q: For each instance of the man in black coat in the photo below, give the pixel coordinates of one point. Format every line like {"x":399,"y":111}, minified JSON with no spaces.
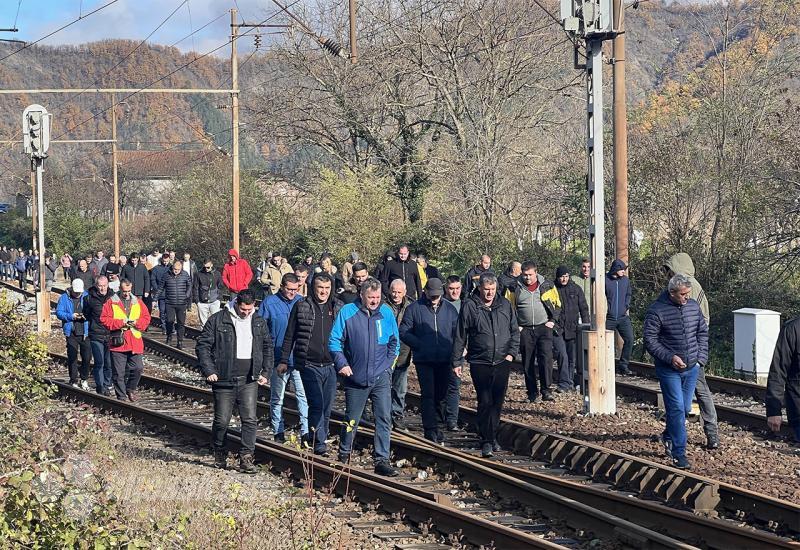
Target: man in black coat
{"x":471,"y":278}
{"x":573,"y":308}
{"x":235,"y":354}
{"x":99,"y":334}
{"x":676,"y":336}
{"x":487,"y":328}
{"x":207,"y":291}
{"x":783,"y":383}
{"x":176,"y":288}
{"x":137,"y":273}
{"x":306,"y":340}
{"x":404,"y":269}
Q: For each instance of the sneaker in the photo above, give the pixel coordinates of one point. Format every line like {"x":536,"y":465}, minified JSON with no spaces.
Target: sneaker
{"x":280,"y":438}
{"x":452,"y":427}
{"x":220,"y":459}
{"x":322,"y":453}
{"x":535,"y":399}
{"x":383,"y":468}
{"x":398,"y":424}
{"x":74,"y":384}
{"x":487,"y":450}
{"x":548,"y":397}
{"x":496,"y":446}
{"x":680,"y":462}
{"x":107,"y":392}
{"x":667,"y":445}
{"x":132,"y":396}
{"x":712,"y":441}
{"x":246,"y":464}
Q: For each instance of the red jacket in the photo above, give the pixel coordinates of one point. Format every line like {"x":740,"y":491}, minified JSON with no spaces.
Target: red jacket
{"x":237,"y":275}
{"x":114,"y":317}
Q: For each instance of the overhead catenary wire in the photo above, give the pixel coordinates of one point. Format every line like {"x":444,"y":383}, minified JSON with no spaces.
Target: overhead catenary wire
{"x":16,"y":17}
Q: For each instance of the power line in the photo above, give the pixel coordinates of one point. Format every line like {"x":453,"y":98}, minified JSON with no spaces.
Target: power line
{"x":16,"y":17}
{"x":45,"y":37}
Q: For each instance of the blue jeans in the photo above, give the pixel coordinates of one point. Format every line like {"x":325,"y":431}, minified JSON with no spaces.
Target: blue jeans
{"x":319,"y":383}
{"x":355,"y":398}
{"x":277,"y":387}
{"x":102,"y":365}
{"x":399,"y":390}
{"x":677,"y":389}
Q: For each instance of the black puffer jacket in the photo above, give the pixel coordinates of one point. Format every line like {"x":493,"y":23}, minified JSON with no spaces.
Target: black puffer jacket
{"x":176,"y":289}
{"x":489,"y":334}
{"x":92,"y":308}
{"x":140,"y":278}
{"x":783,"y":383}
{"x":573,"y":305}
{"x":216,"y":347}
{"x":671,"y":329}
{"x":301,"y":326}
{"x":207,"y":286}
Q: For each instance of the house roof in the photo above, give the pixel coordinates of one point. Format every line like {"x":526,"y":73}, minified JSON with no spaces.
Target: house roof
{"x":162,"y":164}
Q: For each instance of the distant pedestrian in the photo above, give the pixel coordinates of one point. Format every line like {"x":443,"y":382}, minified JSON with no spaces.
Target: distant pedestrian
{"x":618,"y":295}
{"x":326,"y":266}
{"x":347,"y":271}
{"x":66,"y":266}
{"x":306,"y":341}
{"x":5,"y":264}
{"x":189,"y":265}
{"x":360,"y":275}
{"x":452,"y":293}
{"x":365,"y":343}
{"x":302,"y":272}
{"x":405,"y":269}
{"x":426,"y":270}
{"x":488,"y":330}
{"x":98,"y":263}
{"x":275,"y":309}
{"x":398,"y":302}
{"x":272,"y":274}
{"x":507,"y":281}
{"x":137,"y":273}
{"x":676,"y":336}
{"x":177,"y":290}
{"x":235,"y":354}
{"x":207,"y":291}
{"x":584,"y":281}
{"x":157,"y":275}
{"x":573,"y":308}
{"x":21,"y":266}
{"x":82,"y":272}
{"x":428,"y":328}
{"x":783,"y":383}
{"x":76,"y":330}
{"x":99,"y":334}
{"x":126,"y":317}
{"x":236,"y":273}
{"x":474,"y":273}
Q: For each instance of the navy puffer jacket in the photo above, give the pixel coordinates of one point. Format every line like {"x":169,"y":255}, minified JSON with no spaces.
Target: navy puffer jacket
{"x":671,"y":329}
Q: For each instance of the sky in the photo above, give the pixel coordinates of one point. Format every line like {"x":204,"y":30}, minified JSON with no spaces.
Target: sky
{"x":134,"y":20}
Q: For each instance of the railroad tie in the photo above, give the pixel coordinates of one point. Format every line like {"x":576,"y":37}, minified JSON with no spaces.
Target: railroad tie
{"x":641,"y":479}
{"x":656,"y":482}
{"x":704,"y":497}
{"x":622,"y":472}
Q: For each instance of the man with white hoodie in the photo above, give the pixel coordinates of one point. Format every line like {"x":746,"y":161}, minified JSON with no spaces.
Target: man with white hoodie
{"x":235,"y":353}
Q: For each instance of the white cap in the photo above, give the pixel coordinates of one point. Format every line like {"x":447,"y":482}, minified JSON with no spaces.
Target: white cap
{"x":77,"y":285}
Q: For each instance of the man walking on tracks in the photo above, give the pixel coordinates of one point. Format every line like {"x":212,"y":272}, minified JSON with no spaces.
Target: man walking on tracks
{"x":306,"y":341}
{"x":126,"y":317}
{"x":236,"y":273}
{"x":365,"y":343}
{"x":235,"y":354}
{"x":428,"y":328}
{"x":207,"y":291}
{"x":487,"y":328}
{"x":70,"y":311}
{"x":176,"y":287}
{"x":398,"y":302}
{"x":681,"y":263}
{"x":676,"y":335}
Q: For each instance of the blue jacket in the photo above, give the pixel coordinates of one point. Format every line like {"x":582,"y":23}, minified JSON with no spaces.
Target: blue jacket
{"x":367,"y":341}
{"x":65,"y":310}
{"x":275,"y":310}
{"x":671,"y":329}
{"x":21,"y":264}
{"x":428,"y":334}
{"x":618,"y":291}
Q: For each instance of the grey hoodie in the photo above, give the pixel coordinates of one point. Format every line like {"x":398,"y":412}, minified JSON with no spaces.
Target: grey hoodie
{"x":244,"y":332}
{"x":682,"y":264}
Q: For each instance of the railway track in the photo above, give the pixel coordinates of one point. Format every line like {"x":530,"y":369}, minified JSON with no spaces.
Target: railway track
{"x":699,"y":510}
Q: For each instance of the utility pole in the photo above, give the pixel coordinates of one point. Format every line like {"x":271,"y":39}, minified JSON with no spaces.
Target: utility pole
{"x":621,"y":223}
{"x":36,"y":141}
{"x":33,"y":209}
{"x":115,"y":182}
{"x":590,"y":22}
{"x":235,"y":128}
{"x":353,"y":46}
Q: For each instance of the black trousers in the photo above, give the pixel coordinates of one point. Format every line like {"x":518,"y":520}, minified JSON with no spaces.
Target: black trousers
{"x":176,"y":313}
{"x":127,"y":372}
{"x":240,"y":392}
{"x":490,"y":383}
{"x":78,"y":345}
{"x":536,"y":344}
{"x":434,"y":381}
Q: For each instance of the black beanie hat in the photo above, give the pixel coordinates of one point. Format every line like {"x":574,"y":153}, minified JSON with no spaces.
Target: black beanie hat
{"x":562,"y":270}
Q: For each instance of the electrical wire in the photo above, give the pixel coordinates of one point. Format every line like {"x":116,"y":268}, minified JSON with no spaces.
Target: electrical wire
{"x":16,"y":17}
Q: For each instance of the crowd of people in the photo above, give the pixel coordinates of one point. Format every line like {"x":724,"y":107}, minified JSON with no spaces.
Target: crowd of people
{"x":319,"y":326}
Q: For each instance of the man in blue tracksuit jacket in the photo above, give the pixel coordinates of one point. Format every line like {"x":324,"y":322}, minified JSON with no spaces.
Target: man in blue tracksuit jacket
{"x":76,"y":330}
{"x":275,"y":309}
{"x":618,"y":295}
{"x":365,"y":343}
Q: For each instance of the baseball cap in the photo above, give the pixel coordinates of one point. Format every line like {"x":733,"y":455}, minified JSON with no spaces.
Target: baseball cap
{"x":434,"y":287}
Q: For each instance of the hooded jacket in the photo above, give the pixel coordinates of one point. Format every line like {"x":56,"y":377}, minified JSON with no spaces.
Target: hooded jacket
{"x":618,"y":291}
{"x":488,"y":333}
{"x":302,"y":324}
{"x":216,"y":347}
{"x":66,"y":309}
{"x":673,"y":329}
{"x":783,"y":382}
{"x":573,"y":305}
{"x":236,"y":276}
{"x":366,"y":340}
{"x":682,"y":264}
{"x":430,"y":333}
